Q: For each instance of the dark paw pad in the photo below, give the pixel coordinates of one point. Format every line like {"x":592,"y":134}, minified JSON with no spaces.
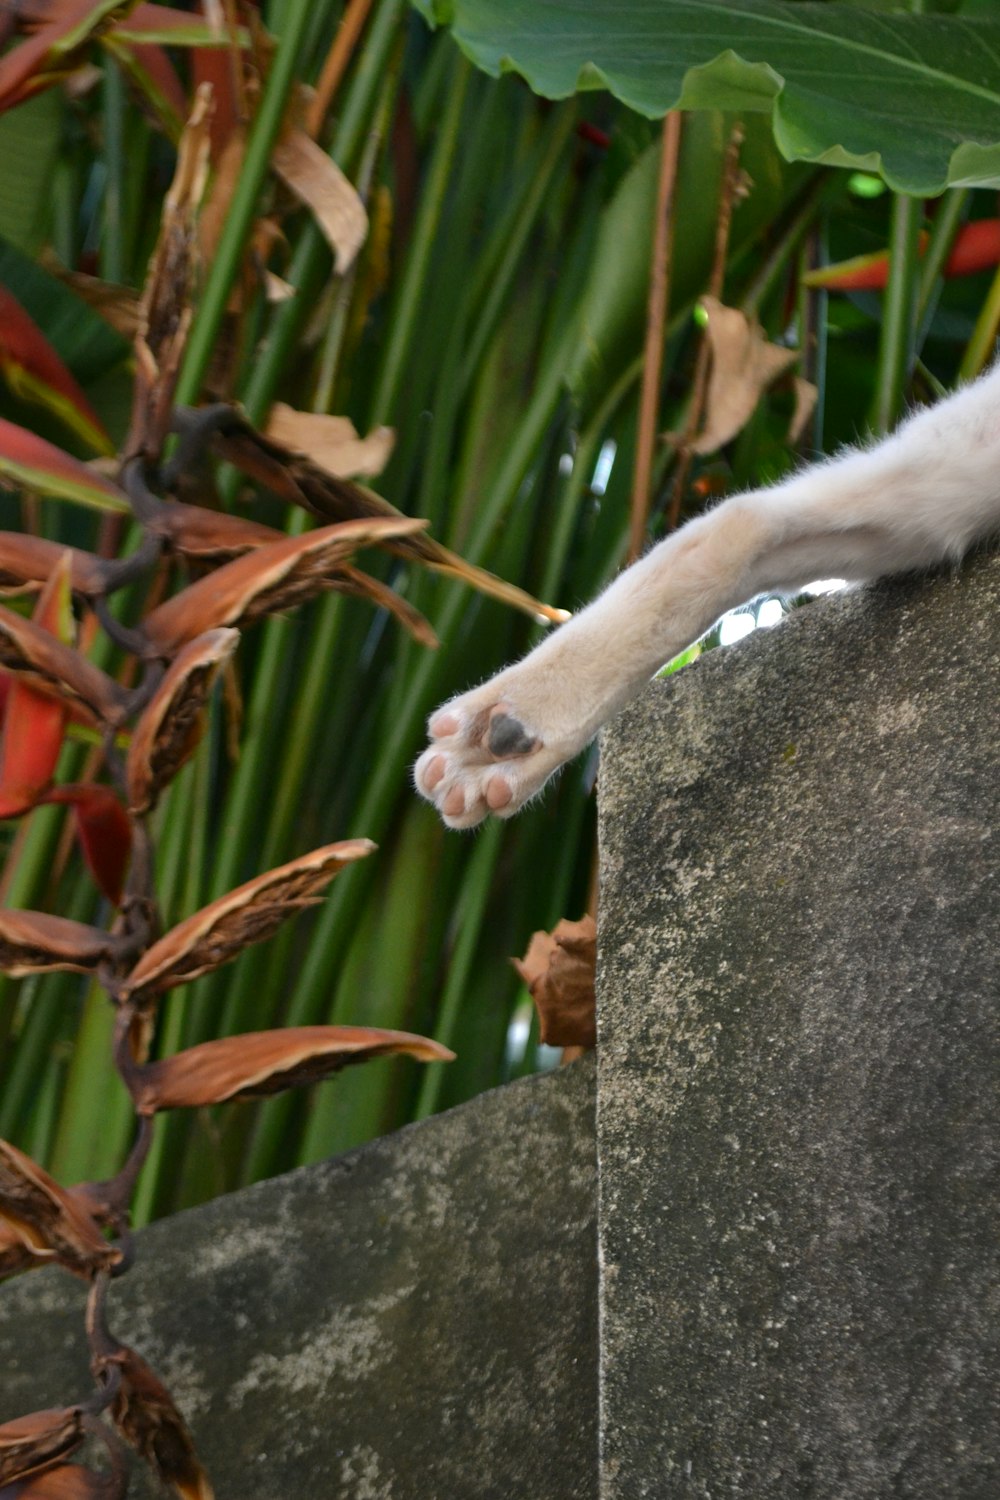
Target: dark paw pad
{"x":507,"y":737}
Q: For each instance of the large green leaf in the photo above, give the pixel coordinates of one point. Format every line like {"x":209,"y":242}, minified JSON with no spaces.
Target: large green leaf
{"x":915,"y":97}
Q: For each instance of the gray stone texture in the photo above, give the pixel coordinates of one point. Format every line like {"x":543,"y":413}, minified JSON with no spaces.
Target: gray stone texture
{"x":798,"y":1066}
{"x":413,"y":1321}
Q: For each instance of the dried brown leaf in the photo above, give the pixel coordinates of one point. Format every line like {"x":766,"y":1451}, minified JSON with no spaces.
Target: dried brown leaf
{"x":34,"y":1442}
{"x":174,"y":721}
{"x":210,"y":536}
{"x":167,"y":304}
{"x":145,"y":1414}
{"x":744,"y":364}
{"x":275,"y":577}
{"x":50,"y":1222}
{"x":247,"y":915}
{"x":558,"y":969}
{"x":352,"y":581}
{"x":319,"y":183}
{"x":303,"y":483}
{"x":47,"y":664}
{"x":33,"y":942}
{"x":259,"y":1063}
{"x":117,"y":305}
{"x":27,"y":562}
{"x":64,"y":1482}
{"x":332,"y":443}
{"x":806,"y":395}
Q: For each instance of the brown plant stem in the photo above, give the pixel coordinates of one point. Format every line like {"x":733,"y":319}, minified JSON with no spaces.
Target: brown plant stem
{"x":728,"y":193}
{"x":335,"y":66}
{"x":656,"y":319}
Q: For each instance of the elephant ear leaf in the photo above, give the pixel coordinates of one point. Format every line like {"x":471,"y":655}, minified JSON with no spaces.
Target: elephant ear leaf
{"x":915,"y":97}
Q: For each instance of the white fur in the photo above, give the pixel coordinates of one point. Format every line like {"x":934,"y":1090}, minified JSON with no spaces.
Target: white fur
{"x":922,"y":495}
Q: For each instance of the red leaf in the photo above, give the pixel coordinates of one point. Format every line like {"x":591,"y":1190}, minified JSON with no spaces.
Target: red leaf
{"x":29,"y":461}
{"x":104,"y":832}
{"x":35,"y":371}
{"x":34,"y":722}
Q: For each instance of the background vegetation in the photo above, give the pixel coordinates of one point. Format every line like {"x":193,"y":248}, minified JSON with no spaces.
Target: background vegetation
{"x":497,"y":320}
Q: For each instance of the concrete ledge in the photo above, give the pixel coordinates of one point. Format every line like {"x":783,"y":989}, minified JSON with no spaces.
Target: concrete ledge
{"x":413,"y":1321}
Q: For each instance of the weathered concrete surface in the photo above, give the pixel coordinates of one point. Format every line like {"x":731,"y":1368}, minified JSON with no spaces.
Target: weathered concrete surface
{"x":798,"y":1065}
{"x":413,"y":1321}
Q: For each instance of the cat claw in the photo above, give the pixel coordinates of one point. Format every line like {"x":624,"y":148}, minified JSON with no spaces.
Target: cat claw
{"x":480,"y":762}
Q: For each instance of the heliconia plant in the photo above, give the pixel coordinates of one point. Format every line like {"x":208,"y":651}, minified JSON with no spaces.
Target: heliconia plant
{"x":147,"y":719}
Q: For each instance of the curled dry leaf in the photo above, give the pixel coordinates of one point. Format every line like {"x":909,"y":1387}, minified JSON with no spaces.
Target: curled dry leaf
{"x":26,"y":562}
{"x":744,"y":364}
{"x":332,"y":443}
{"x":36,"y":1441}
{"x":352,"y":581}
{"x":27,"y":649}
{"x":259,"y":1063}
{"x":173,"y":723}
{"x":246,"y":915}
{"x":273,"y":578}
{"x":145,"y":1414}
{"x":167,"y":305}
{"x":33,"y":942}
{"x":301,"y":482}
{"x":210,"y":536}
{"x":806,"y":396}
{"x":65,"y":1482}
{"x":50,"y":1222}
{"x":320,"y":184}
{"x":558,"y":969}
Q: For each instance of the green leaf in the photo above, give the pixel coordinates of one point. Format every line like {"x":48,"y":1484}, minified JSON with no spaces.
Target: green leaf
{"x":915,"y":97}
{"x":88,"y":344}
{"x":29,"y":146}
{"x":31,"y":463}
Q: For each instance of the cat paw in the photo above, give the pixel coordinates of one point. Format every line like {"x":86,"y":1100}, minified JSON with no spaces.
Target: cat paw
{"x":484,"y":758}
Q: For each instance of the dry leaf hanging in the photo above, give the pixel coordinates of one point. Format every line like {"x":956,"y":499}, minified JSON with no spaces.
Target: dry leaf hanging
{"x":210,"y":536}
{"x":35,"y":1442}
{"x":220,"y":931}
{"x":66,"y":1482}
{"x":27,"y":562}
{"x":144,"y":1412}
{"x":271,"y":579}
{"x":558,"y":969}
{"x":259,"y":1063}
{"x":174,"y":721}
{"x":320,"y":184}
{"x":332,"y":443}
{"x":33,"y":942}
{"x":303,"y":483}
{"x":48,"y":664}
{"x":744,"y":364}
{"x":50,"y":1222}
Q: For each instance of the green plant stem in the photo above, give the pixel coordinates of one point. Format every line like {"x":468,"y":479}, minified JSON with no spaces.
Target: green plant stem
{"x":112,"y":248}
{"x":980,"y":348}
{"x":897,"y":345}
{"x":475,"y":893}
{"x":415,"y":276}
